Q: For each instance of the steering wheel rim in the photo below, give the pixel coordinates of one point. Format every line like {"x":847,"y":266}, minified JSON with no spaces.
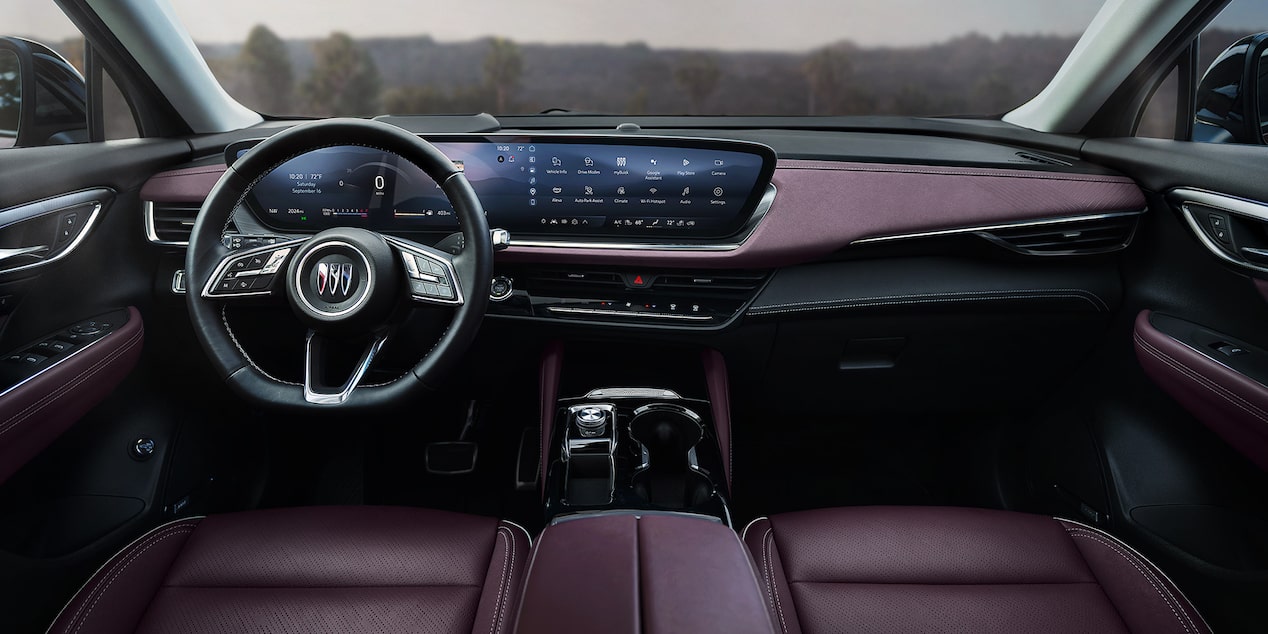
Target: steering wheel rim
{"x":473,"y":267}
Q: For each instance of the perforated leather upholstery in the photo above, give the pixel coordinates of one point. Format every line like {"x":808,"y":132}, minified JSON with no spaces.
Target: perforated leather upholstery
{"x":324,"y":569}
{"x":899,"y":569}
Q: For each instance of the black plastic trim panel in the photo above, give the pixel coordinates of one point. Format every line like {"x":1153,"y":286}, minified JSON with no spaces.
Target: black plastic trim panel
{"x":922,"y":281}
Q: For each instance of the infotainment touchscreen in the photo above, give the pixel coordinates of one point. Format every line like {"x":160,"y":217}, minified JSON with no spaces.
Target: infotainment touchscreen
{"x":528,"y":185}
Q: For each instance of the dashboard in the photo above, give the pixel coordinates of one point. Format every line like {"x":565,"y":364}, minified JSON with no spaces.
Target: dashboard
{"x":626,"y":262}
{"x":546,"y":186}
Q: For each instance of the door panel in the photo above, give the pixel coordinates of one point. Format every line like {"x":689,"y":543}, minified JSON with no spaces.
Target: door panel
{"x":1177,"y":425}
{"x":74,"y":413}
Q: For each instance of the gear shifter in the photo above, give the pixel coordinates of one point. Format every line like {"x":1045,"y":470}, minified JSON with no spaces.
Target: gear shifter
{"x":589,"y":454}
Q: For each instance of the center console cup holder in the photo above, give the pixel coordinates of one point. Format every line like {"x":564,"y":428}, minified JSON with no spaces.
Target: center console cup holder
{"x":669,"y":476}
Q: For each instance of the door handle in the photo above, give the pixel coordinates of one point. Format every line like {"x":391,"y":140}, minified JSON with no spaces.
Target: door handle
{"x":6,"y":254}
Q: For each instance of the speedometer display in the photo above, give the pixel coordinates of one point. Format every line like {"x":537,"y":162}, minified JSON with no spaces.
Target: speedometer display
{"x":529,"y":185}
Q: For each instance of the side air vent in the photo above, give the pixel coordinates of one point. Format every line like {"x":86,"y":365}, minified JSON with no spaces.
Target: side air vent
{"x":1079,"y":237}
{"x":1035,"y":157}
{"x":170,"y":223}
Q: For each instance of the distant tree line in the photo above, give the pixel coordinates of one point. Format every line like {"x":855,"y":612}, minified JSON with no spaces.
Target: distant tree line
{"x":339,"y":75}
{"x":344,"y":77}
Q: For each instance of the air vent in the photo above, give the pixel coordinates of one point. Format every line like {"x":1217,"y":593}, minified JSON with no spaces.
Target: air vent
{"x":698,"y":281}
{"x":1043,"y":159}
{"x":730,"y":281}
{"x":578,"y":278}
{"x":170,"y":223}
{"x":1080,"y":237}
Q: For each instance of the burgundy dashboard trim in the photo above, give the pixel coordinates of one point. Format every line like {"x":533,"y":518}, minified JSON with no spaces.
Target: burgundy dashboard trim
{"x":187,"y":185}
{"x":821,"y":207}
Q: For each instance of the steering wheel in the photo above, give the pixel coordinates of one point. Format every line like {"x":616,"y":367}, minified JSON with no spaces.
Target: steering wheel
{"x":343,"y":283}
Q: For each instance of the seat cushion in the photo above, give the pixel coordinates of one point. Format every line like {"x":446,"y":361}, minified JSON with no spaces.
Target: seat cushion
{"x":900,"y":569}
{"x":321,"y":569}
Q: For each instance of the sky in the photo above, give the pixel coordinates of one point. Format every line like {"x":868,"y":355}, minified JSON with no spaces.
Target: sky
{"x":791,"y":25}
{"x":780,"y":25}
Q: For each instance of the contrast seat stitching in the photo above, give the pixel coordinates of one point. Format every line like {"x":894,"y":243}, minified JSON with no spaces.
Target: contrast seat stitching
{"x":1167,"y":598}
{"x":768,"y":543}
{"x":79,"y":379}
{"x":1202,"y":380}
{"x":508,"y":560}
{"x":100,"y":591}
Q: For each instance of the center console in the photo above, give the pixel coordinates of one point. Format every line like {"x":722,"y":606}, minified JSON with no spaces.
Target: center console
{"x":638,"y":532}
{"x":635,"y":448}
{"x":635,"y":572}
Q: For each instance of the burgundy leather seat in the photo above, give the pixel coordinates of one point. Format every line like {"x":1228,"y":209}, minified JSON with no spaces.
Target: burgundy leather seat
{"x":324,"y":569}
{"x":907,"y":569}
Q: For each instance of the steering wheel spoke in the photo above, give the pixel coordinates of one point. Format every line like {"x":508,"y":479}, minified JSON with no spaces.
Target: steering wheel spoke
{"x":431,"y":274}
{"x":251,"y":274}
{"x":316,"y":390}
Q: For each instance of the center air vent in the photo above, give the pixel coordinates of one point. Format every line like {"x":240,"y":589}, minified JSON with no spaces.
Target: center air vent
{"x":170,"y":223}
{"x":1080,"y":237}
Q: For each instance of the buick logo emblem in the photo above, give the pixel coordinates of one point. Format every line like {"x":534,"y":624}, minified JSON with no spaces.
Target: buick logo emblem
{"x":335,"y":280}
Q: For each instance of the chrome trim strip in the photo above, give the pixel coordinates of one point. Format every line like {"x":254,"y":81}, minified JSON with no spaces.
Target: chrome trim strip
{"x":1232,"y":204}
{"x":236,"y":255}
{"x":325,"y":398}
{"x":151,"y":233}
{"x":1010,"y":225}
{"x":768,"y":199}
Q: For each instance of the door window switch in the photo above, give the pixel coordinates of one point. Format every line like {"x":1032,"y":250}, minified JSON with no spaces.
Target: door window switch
{"x":1230,"y":350}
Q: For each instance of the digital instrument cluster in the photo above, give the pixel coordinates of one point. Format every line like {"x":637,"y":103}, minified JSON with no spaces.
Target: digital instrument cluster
{"x":530,"y":185}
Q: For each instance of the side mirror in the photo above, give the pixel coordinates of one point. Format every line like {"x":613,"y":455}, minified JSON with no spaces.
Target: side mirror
{"x":43,"y":99}
{"x":1229,"y":108}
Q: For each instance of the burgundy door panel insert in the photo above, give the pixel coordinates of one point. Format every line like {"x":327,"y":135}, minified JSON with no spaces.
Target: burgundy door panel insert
{"x":39,"y":408}
{"x":1220,"y":380}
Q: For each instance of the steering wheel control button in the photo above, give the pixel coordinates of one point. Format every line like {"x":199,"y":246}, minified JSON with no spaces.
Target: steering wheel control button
{"x":250,"y":274}
{"x":275,"y":261}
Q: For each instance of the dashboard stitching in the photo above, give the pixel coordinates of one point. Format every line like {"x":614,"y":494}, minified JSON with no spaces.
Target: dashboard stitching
{"x":883,"y":300}
{"x":224,"y":319}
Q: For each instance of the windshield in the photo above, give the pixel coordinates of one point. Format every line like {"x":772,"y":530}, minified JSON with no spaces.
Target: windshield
{"x":706,"y":57}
